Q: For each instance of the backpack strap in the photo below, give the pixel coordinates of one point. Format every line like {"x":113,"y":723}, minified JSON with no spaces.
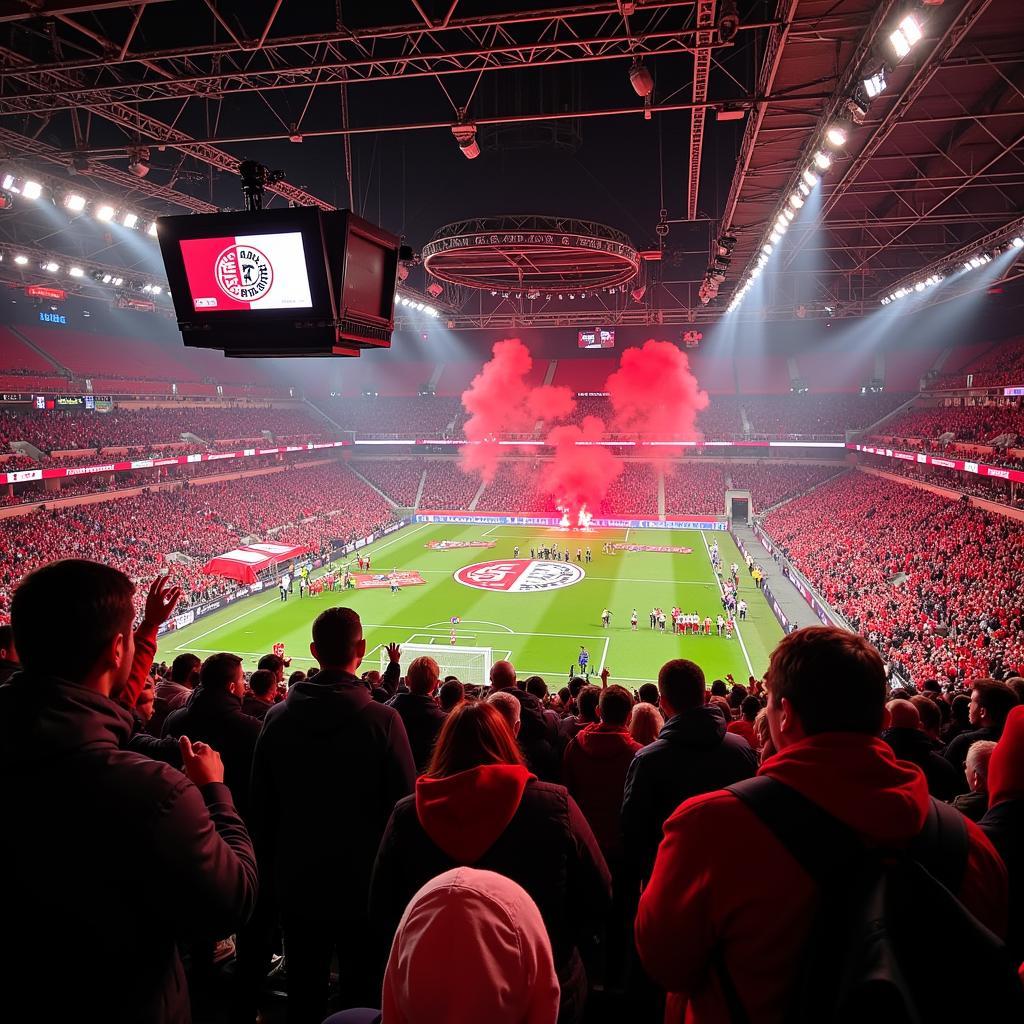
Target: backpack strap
{"x":819,"y":842}
{"x":943,"y":845}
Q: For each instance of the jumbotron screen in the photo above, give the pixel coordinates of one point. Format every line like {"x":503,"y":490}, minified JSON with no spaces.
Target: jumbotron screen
{"x":266,"y":271}
{"x":597,"y":337}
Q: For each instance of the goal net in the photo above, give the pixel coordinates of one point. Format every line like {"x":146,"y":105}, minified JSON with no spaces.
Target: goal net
{"x":468,"y":664}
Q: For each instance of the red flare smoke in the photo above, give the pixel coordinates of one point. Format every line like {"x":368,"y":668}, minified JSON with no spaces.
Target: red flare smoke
{"x":499,"y":400}
{"x":654,"y":391}
{"x":579,"y":474}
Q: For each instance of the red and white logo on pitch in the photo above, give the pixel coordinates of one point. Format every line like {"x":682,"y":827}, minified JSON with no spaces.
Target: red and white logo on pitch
{"x":244,"y":273}
{"x":519,"y":575}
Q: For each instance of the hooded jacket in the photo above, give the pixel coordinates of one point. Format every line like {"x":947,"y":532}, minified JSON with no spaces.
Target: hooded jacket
{"x":692,"y":754}
{"x":914,"y":745}
{"x":499,"y":818}
{"x":422,"y":719}
{"x":329,"y":765}
{"x":1003,"y":823}
{"x":488,"y":926}
{"x":594,"y":771}
{"x":215,"y":716}
{"x":698,"y":905}
{"x":92,"y":828}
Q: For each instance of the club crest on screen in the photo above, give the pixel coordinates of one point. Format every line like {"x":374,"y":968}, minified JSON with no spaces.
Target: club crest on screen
{"x":244,"y":273}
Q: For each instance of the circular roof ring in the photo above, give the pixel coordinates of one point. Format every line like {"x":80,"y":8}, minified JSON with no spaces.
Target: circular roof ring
{"x":531,"y":253}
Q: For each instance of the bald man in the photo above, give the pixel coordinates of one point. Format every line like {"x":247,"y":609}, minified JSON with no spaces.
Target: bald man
{"x":910,"y":742}
{"x":538,"y":738}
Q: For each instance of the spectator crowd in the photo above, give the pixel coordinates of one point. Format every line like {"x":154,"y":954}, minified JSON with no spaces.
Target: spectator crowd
{"x":398,"y":847}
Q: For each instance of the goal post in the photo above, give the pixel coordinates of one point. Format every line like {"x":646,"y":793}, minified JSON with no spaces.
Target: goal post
{"x":468,"y":664}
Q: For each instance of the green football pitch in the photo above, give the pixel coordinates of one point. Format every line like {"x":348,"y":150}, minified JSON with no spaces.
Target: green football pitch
{"x":540,"y":632}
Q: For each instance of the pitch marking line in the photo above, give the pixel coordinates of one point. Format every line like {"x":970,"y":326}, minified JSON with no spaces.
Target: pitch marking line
{"x":721,"y":589}
{"x":606,"y":579}
{"x":256,"y":608}
{"x":604,"y":654}
{"x":483,"y":622}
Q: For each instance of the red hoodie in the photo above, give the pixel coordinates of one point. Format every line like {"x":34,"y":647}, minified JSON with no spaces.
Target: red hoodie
{"x":594,"y":771}
{"x":723,"y":881}
{"x":1006,"y":768}
{"x":465,"y":813}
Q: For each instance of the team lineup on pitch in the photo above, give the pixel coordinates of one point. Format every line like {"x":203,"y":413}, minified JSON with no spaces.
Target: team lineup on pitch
{"x":480,"y":590}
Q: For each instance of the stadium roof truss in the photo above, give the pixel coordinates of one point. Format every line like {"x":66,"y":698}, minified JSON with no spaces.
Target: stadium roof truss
{"x":935,"y":162}
{"x":936,"y":165}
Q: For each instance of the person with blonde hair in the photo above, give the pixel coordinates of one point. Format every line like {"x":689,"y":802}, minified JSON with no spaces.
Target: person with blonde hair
{"x":419,"y":709}
{"x":645,"y":723}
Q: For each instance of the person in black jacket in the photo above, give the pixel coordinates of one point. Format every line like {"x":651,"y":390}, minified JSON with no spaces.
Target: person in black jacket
{"x":262,"y":696}
{"x":96,"y":823}
{"x":330,"y":765}
{"x":693,"y":754}
{"x":214,"y":715}
{"x":172,"y":693}
{"x":8,"y":654}
{"x":418,"y":708}
{"x":991,"y":701}
{"x":538,"y":738}
{"x":479,"y":805}
{"x":911,"y":743}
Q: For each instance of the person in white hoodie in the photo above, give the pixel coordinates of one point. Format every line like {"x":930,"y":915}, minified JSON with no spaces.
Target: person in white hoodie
{"x":491,"y":928}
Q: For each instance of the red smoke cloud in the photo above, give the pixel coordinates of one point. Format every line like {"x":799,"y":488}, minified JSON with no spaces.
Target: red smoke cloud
{"x":654,"y":391}
{"x":499,"y":401}
{"x":579,"y":474}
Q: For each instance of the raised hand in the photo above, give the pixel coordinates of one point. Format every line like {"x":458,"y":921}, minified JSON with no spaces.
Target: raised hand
{"x":160,"y":601}
{"x":201,"y":763}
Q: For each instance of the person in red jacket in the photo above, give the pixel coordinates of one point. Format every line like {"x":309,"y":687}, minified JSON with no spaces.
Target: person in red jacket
{"x":595,"y":765}
{"x":826,"y":708}
{"x":594,"y":771}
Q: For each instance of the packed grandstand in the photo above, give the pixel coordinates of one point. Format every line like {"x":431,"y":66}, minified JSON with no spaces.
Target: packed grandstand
{"x":609,"y":613}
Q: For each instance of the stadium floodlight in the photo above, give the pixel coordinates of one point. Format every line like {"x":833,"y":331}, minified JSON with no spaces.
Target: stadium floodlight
{"x":21,"y":260}
{"x":51,"y":267}
{"x":117,"y":282}
{"x":74,"y":202}
{"x":151,"y":230}
{"x":107,"y":278}
{"x":8,"y":183}
{"x":822,"y":160}
{"x":874,"y":85}
{"x":105,"y":213}
{"x":782,"y":225}
{"x":905,"y":36}
{"x":803,"y":188}
{"x":129,"y":220}
{"x":767,"y":248}
{"x":641,"y":78}
{"x":796,"y":200}
{"x":919,"y":286}
{"x":788,"y":214}
{"x":76,"y":271}
{"x":32,"y":189}
{"x":156,"y":289}
{"x":836,"y":136}
{"x":774,"y":237}
{"x":147,"y":288}
{"x":810,"y":178}
{"x":1017,"y":243}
